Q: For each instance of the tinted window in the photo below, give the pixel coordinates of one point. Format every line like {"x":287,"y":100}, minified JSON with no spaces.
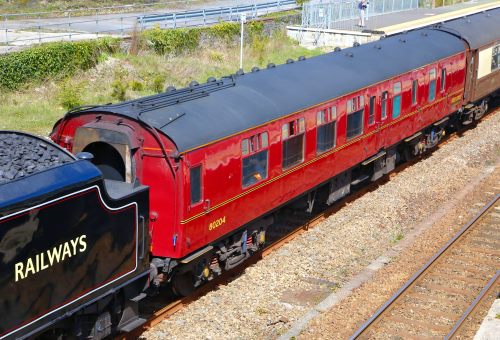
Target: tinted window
{"x":354,"y":124}
{"x":396,"y":101}
{"x":255,"y":168}
{"x":414,"y":89}
{"x":371,"y":117}
{"x":443,"y":79}
{"x":495,"y":58}
{"x":385,"y":96}
{"x":195,"y":183}
{"x":293,"y":150}
{"x":326,"y":137}
{"x":432,"y":84}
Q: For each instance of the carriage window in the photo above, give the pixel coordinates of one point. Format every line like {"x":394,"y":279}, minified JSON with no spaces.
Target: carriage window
{"x":355,"y":108}
{"x":255,"y":164}
{"x":432,"y":84}
{"x":396,"y":100}
{"x":495,"y":58}
{"x":443,"y":79}
{"x":414,"y":89}
{"x":195,"y":184}
{"x":371,"y":117}
{"x":385,"y":96}
{"x":293,"y":142}
{"x":326,"y":121}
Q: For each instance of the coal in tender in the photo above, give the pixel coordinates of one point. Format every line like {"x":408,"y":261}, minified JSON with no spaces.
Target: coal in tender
{"x":22,"y":155}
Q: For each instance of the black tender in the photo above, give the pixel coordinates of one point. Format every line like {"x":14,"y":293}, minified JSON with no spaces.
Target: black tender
{"x":201,"y":114}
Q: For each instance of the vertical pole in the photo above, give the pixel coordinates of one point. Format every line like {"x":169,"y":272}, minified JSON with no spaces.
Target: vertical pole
{"x":97,"y":23}
{"x":6,"y":31}
{"x":242,"y":19}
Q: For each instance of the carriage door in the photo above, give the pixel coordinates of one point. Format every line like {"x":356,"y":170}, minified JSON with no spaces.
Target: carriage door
{"x":372,"y":120}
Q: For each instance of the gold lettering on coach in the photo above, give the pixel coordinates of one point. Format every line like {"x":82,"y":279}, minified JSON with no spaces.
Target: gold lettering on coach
{"x":50,"y":257}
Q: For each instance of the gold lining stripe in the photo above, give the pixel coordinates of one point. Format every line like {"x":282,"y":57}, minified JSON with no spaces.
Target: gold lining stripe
{"x":319,"y":157}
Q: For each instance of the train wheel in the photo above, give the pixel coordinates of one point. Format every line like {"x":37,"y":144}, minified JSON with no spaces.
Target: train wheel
{"x":183,"y":284}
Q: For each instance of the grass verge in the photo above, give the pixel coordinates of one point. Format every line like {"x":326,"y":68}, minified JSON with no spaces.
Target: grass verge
{"x":118,"y":75}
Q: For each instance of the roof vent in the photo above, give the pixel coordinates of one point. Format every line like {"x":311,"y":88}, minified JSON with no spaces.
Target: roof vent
{"x":211,"y":80}
{"x":349,"y":54}
{"x":377,"y":46}
{"x":424,"y":34}
{"x":403,"y":40}
{"x":337,"y":49}
{"x":255,"y":69}
{"x":289,"y":61}
{"x":271,"y":65}
{"x":194,"y":83}
{"x":170,"y":89}
{"x":240,"y":72}
{"x":356,"y":44}
{"x":302,"y":58}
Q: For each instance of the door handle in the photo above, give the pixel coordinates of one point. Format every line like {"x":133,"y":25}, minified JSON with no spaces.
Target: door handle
{"x":206,"y":205}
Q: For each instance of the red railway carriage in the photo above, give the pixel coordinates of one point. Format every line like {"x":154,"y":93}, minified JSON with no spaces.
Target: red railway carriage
{"x":221,"y":156}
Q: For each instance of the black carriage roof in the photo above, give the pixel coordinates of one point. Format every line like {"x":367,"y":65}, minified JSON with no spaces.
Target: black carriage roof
{"x":478,"y":29}
{"x":200,"y":115}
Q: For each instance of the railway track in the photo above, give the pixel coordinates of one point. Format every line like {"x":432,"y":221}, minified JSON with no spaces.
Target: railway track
{"x":174,"y":306}
{"x":438,"y":300}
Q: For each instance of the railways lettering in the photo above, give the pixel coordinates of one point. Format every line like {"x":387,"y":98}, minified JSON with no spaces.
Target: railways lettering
{"x":50,"y":257}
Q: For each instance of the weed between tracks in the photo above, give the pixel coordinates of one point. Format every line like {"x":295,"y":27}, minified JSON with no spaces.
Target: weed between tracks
{"x":120,"y":76}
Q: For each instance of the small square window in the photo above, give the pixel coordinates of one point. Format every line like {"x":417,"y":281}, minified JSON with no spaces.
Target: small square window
{"x":284,"y":131}
{"x":397,"y":88}
{"x":302,"y":125}
{"x":264,"y":140}
{"x":244,"y":147}
{"x":195,"y":184}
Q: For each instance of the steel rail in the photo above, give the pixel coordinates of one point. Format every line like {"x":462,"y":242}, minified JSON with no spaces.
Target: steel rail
{"x":481,"y":296}
{"x":413,"y":280}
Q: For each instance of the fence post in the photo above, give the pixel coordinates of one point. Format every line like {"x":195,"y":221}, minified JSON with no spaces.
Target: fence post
{"x":6,"y":31}
{"x":204,"y":18}
{"x":175,"y":21}
{"x":39,"y":34}
{"x":70,"y":31}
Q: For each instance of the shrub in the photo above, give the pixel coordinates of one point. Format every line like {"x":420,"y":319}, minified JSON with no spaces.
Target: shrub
{"x":119,"y":90}
{"x":172,"y":41}
{"x":52,"y":59}
{"x":158,"y":83}
{"x":136,"y":85}
{"x":224,"y":30}
{"x":69,"y":96}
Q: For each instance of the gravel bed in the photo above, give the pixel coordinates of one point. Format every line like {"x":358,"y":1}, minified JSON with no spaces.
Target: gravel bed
{"x":264,"y":302}
{"x":475,"y":152}
{"x":23,"y":155}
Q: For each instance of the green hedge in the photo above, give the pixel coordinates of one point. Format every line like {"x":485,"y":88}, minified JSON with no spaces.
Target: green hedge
{"x":172,"y":41}
{"x":52,"y":59}
{"x":177,"y":41}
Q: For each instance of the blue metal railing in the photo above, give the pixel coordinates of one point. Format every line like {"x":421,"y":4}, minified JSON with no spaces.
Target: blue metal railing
{"x":213,"y":14}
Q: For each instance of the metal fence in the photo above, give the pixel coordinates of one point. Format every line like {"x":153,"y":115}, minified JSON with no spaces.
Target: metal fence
{"x":17,"y":34}
{"x":345,"y":14}
{"x":215,"y":14}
